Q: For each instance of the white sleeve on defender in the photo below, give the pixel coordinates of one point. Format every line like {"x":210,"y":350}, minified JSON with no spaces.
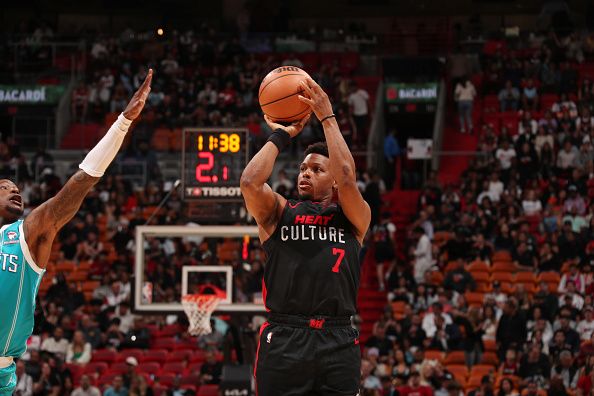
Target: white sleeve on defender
{"x":99,"y":158}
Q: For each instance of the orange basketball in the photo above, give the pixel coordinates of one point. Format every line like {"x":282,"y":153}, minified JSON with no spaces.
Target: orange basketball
{"x":278,"y":94}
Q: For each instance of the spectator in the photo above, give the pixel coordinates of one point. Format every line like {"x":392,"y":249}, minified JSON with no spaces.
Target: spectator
{"x":574,"y":200}
{"x":572,"y":338}
{"x":585,"y":382}
{"x":506,"y":388}
{"x":391,"y":153}
{"x":566,"y":370}
{"x":79,"y":350}
{"x":531,"y":205}
{"x":140,"y":388}
{"x":49,"y":382}
{"x":414,"y":387}
{"x":282,"y":180}
{"x":85,"y":388}
{"x":509,"y":97}
{"x":530,"y":96}
{"x":129,"y":377}
{"x":534,"y":367}
{"x":379,"y":340}
{"x":56,"y":344}
{"x":369,"y":382}
{"x":117,"y":388}
{"x":574,"y":276}
{"x":586,"y":326}
{"x":505,"y":155}
{"x":423,"y":259}
{"x":511,"y":331}
{"x":126,"y":318}
{"x":360,"y":108}
{"x":464,"y":95}
{"x":485,"y":389}
{"x":510,"y":365}
{"x":210,"y":372}
{"x":459,"y":279}
{"x":24,"y":386}
{"x":384,"y":237}
{"x":429,"y":324}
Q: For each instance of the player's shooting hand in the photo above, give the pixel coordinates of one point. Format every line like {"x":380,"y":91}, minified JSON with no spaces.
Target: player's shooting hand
{"x":137,"y":102}
{"x":317,"y":99}
{"x":294,"y":129}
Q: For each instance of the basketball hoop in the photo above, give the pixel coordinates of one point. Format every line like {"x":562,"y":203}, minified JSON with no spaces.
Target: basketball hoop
{"x":199,"y":307}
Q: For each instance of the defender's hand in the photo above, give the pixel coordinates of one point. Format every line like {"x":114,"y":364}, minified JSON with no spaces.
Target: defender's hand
{"x":318,"y":99}
{"x":137,"y":102}
{"x":294,"y":129}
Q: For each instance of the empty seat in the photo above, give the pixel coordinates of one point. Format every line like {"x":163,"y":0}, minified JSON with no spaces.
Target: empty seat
{"x":173,"y":367}
{"x":104,"y":355}
{"x":149,"y":368}
{"x":208,"y":390}
{"x":179,"y":355}
{"x":95,"y":367}
{"x":434,"y":355}
{"x":525,"y":277}
{"x":155,"y":355}
{"x":455,"y":357}
{"x":504,"y":266}
{"x":478,"y":266}
{"x":502,"y":277}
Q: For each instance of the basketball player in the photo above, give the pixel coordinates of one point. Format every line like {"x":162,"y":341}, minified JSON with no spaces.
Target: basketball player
{"x":25,"y":244}
{"x":311,"y":277}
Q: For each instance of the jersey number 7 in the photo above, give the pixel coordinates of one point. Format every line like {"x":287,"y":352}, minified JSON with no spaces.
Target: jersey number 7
{"x":340,"y":253}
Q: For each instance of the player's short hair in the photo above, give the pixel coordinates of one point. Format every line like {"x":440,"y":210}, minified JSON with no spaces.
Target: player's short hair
{"x":317,"y":148}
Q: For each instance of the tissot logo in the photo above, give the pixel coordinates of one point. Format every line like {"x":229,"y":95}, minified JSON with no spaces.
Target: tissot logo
{"x":213,"y":191}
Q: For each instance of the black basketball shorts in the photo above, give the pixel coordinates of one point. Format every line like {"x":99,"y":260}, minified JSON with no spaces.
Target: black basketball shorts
{"x":301,"y":356}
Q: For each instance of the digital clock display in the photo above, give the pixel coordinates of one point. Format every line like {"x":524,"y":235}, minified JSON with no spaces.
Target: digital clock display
{"x":213,"y":160}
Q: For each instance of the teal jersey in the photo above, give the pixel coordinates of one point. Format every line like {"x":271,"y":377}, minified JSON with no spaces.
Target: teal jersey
{"x":19,"y":283}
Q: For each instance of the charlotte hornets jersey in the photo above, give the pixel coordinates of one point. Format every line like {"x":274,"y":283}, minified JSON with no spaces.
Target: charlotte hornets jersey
{"x":19,"y":283}
{"x":312,"y":266}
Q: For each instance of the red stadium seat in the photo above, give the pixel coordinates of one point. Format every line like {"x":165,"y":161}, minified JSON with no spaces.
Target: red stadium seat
{"x":193,"y":368}
{"x":165,"y":343}
{"x":179,"y":355}
{"x":104,"y":355}
{"x":208,"y":390}
{"x":173,"y":367}
{"x":155,"y":355}
{"x":95,"y":367}
{"x":149,"y":368}
{"x":120,"y":367}
{"x":190,"y":379}
{"x":502,"y":277}
{"x":126,"y":353}
{"x":198,"y":356}
{"x":166,"y":379}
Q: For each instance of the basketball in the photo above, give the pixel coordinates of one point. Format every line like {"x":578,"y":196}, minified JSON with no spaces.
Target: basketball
{"x":279,"y":93}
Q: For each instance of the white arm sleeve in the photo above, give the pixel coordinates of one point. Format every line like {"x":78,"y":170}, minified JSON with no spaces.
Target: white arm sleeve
{"x":99,"y":158}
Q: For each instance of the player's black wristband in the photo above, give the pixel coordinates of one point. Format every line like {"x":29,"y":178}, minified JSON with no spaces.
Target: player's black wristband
{"x":280,"y":138}
{"x":327,"y":117}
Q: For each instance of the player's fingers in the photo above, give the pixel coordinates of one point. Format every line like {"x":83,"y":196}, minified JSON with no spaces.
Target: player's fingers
{"x":305,"y":100}
{"x":306,"y":88}
{"x":301,"y":123}
{"x":146,"y":85}
{"x":313,"y":84}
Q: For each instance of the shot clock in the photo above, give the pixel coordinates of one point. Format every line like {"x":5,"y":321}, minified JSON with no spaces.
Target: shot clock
{"x":213,"y":160}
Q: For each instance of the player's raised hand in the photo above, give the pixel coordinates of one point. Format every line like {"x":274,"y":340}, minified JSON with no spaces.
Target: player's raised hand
{"x":137,"y":102}
{"x":294,"y":129}
{"x":318,"y":99}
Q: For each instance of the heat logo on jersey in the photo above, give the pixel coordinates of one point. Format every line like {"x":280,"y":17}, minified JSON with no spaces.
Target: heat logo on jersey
{"x":312,"y":227}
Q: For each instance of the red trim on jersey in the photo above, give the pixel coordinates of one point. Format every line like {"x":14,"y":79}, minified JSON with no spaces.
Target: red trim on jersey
{"x":262,"y":328}
{"x":264,"y":292}
{"x":294,"y":206}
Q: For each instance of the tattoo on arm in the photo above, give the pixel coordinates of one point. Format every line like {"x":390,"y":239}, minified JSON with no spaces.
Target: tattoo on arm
{"x":69,"y":199}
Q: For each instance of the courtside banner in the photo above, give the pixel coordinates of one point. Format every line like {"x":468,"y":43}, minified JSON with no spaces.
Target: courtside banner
{"x":411,"y":93}
{"x":30,"y":94}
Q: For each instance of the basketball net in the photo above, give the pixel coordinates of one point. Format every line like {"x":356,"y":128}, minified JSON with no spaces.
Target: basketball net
{"x":199,"y":307}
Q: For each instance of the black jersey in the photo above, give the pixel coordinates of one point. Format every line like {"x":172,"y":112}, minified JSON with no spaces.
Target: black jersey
{"x":312,"y":266}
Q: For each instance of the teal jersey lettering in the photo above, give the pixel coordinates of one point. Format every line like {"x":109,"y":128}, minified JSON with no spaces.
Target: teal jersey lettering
{"x":19,"y":283}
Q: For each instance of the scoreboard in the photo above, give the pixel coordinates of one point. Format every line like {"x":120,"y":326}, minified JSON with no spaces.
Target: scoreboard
{"x":212,"y":162}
